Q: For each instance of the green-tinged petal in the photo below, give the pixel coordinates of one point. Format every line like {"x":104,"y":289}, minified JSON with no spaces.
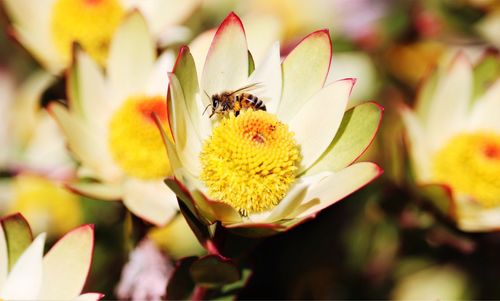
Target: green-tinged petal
{"x":226,"y":66}
{"x":418,"y":145}
{"x":472,"y":217}
{"x":84,"y":144}
{"x":268,"y":74}
{"x":150,"y":200}
{"x":173,"y":157}
{"x":338,"y":185}
{"x":316,"y":123}
{"x":185,"y":71}
{"x":356,"y":132}
{"x":18,"y":236}
{"x":485,"y":111}
{"x":187,"y":141}
{"x":304,"y":72}
{"x":97,"y":190}
{"x":89,"y":297}
{"x":25,"y":279}
{"x":66,"y":265}
{"x":4,"y":257}
{"x":86,"y":91}
{"x":131,"y":57}
{"x":214,"y":210}
{"x":450,"y":102}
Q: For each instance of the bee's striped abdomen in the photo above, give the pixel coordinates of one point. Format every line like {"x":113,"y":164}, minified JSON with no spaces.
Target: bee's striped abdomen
{"x":251,"y":101}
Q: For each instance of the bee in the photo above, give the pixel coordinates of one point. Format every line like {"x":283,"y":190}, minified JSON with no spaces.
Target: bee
{"x":235,"y":101}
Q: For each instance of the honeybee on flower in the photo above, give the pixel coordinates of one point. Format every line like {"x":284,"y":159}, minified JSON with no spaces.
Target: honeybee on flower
{"x":265,"y":171}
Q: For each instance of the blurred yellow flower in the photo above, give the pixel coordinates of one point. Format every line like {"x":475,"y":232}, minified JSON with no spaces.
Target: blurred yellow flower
{"x":48,"y":206}
{"x":109,"y":127}
{"x":454,"y":138}
{"x":48,"y":28}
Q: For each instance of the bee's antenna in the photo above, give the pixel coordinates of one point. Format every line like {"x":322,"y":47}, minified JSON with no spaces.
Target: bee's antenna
{"x":206,"y":108}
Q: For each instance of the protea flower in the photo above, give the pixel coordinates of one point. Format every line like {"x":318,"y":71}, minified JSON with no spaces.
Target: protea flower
{"x":109,"y":128}
{"x":265,"y":170}
{"x":26,"y":274}
{"x":48,"y":28}
{"x":35,"y":144}
{"x":454,"y":138}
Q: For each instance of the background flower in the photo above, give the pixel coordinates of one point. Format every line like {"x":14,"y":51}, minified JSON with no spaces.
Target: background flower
{"x":109,"y":126}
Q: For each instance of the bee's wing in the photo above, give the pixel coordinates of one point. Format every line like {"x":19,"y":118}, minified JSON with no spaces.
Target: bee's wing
{"x":247,"y":88}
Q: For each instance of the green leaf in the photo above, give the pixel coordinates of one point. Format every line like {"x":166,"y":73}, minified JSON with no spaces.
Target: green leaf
{"x":214,"y":271}
{"x":180,"y":284}
{"x":199,"y":229}
{"x":18,"y":236}
{"x":357,"y":130}
{"x":251,"y":64}
{"x":486,"y":73}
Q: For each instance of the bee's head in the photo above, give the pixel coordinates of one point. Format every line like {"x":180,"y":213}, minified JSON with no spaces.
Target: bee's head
{"x":216,"y":105}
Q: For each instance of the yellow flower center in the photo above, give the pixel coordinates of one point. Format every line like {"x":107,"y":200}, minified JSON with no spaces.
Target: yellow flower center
{"x":91,"y":23}
{"x":249,"y":161}
{"x":134,"y":140}
{"x":470,"y":164}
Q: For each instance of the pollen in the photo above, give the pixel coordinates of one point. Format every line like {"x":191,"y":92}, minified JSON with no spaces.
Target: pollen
{"x":470,"y":165}
{"x":134,"y":140}
{"x":91,"y":23}
{"x":249,"y":161}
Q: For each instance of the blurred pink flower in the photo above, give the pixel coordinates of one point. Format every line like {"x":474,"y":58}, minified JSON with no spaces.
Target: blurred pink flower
{"x":145,"y":276}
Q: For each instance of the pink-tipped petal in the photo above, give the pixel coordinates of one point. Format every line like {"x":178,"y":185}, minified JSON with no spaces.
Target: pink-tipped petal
{"x":66,"y":265}
{"x":226,"y":66}
{"x":316,"y":123}
{"x":304,"y":72}
{"x":339,"y":185}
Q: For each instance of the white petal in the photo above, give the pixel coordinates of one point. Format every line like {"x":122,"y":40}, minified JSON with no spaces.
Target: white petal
{"x":150,"y":200}
{"x":158,"y":82}
{"x":294,"y":197}
{"x":226,"y":66}
{"x":199,"y":49}
{"x":486,"y":110}
{"x":25,"y":279}
{"x":418,"y":145}
{"x":88,"y":92}
{"x":317,"y":122}
{"x":86,"y":146}
{"x":161,"y":14}
{"x":262,"y":31}
{"x":42,"y":49}
{"x":131,"y":57}
{"x":473,"y":217}
{"x":450,"y":102}
{"x":66,"y":265}
{"x":339,"y":185}
{"x":268,"y":73}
